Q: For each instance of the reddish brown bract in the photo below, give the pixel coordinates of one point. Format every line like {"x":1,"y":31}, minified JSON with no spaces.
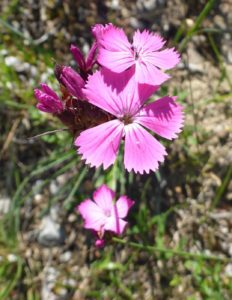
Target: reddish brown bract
{"x":79,"y":115}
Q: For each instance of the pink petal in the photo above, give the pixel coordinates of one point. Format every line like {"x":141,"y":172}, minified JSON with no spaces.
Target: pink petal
{"x":142,"y":151}
{"x":149,"y":74}
{"x":114,"y":93}
{"x":100,"y":94}
{"x":117,"y":94}
{"x":99,"y":145}
{"x":114,"y":39}
{"x":165,"y":59}
{"x":115,"y":52}
{"x":92,"y":214}
{"x":145,"y":91}
{"x":147,"y":41}
{"x":99,"y":29}
{"x":116,"y":61}
{"x":104,"y":198}
{"x":115,"y":225}
{"x":122,"y":206}
{"x":118,"y":82}
{"x":125,"y":84}
{"x":131,"y":95}
{"x":164,"y":117}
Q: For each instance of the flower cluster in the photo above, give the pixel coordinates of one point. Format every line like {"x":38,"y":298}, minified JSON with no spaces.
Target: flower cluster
{"x":106,"y":101}
{"x":105,"y":104}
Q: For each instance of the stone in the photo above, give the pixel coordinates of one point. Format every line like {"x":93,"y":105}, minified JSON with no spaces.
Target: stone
{"x":51,"y":233}
{"x":48,"y":283}
{"x":4,"y":205}
{"x":54,"y":188}
{"x":228,"y":270}
{"x":66,"y":256}
{"x":12,"y":258}
{"x":195,"y":60}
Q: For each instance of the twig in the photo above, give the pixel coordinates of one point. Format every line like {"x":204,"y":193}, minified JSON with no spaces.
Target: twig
{"x":9,"y":137}
{"x":47,"y":133}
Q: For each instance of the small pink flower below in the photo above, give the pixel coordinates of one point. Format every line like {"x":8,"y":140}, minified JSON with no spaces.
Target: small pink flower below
{"x":103,"y":214}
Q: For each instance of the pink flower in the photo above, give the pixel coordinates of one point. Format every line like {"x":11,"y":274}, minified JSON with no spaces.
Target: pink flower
{"x":48,"y":101}
{"x":144,"y":54}
{"x":103,"y":214}
{"x":142,"y":152}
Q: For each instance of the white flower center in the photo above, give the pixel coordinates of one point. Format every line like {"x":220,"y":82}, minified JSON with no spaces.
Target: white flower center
{"x":107,"y":213}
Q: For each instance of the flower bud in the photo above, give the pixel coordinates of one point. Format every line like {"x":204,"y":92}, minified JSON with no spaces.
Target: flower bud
{"x":48,"y":100}
{"x":72,"y":81}
{"x":91,"y":58}
{"x":100,"y":243}
{"x":78,"y":56}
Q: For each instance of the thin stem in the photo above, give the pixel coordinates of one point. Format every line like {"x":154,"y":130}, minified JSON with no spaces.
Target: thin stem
{"x":46,"y":133}
{"x":219,"y":58}
{"x":195,"y":117}
{"x":76,"y":186}
{"x":183,"y":254}
{"x":221,"y":189}
{"x":209,"y":5}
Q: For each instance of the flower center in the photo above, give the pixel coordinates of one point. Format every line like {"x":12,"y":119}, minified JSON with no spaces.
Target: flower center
{"x":127,"y":119}
{"x":135,"y":53}
{"x":107,"y":213}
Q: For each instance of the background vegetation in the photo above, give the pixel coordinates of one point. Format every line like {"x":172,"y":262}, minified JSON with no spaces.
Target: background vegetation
{"x":179,"y":243}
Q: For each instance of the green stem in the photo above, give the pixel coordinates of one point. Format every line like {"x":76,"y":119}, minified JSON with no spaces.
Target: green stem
{"x":113,"y":174}
{"x":220,"y":191}
{"x":183,"y":254}
{"x":209,"y":5}
{"x":219,"y":58}
{"x":75,"y":187}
